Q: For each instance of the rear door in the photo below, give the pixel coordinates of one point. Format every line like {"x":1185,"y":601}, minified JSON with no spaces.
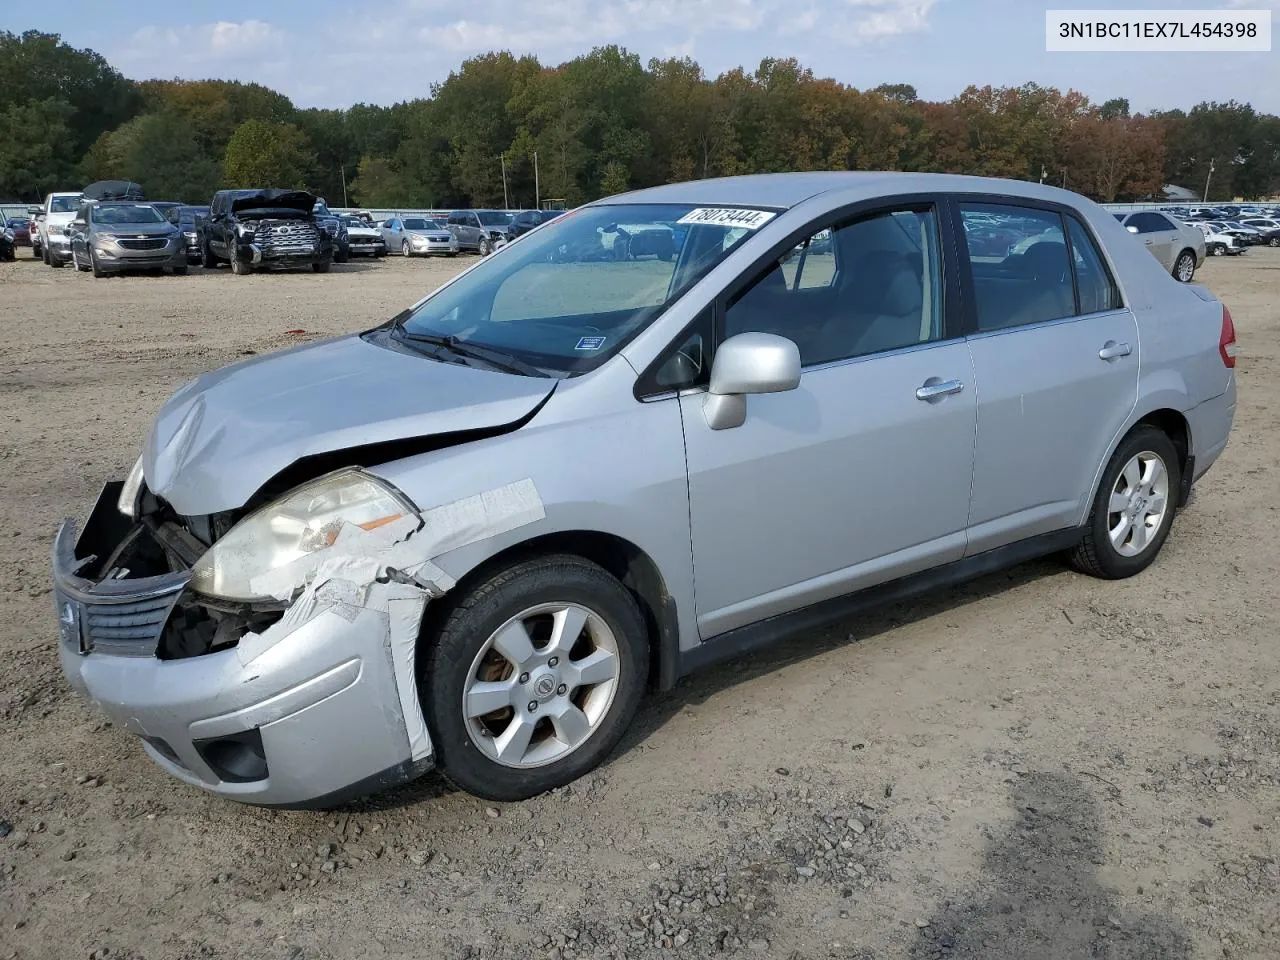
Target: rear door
{"x":1055,"y":354}
{"x":1159,"y":234}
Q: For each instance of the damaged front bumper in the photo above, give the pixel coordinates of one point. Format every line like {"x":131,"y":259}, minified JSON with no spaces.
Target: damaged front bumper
{"x":315,"y":709}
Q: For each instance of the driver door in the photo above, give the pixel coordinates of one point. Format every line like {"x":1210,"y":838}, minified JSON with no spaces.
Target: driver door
{"x":862,"y":473}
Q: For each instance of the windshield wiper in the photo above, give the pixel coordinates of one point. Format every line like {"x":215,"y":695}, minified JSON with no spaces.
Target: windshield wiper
{"x":495,"y":358}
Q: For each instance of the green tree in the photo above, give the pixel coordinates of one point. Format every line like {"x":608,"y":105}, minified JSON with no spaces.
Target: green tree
{"x":265,"y":154}
{"x":33,"y":151}
{"x":160,"y":151}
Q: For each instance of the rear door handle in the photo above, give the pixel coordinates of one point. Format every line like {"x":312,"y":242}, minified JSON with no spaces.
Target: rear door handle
{"x":1111,"y":350}
{"x":935,"y":389}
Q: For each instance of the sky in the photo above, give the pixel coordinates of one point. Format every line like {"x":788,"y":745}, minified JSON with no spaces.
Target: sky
{"x":332,"y":53}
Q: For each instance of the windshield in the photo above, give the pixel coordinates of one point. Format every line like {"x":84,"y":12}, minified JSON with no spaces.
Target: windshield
{"x":417,"y":223}
{"x":493,"y":218}
{"x":568,"y":297}
{"x":65,"y":204}
{"x":126,"y":213}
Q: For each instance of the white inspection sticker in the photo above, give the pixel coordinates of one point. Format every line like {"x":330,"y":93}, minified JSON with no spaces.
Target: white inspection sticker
{"x":728,"y":217}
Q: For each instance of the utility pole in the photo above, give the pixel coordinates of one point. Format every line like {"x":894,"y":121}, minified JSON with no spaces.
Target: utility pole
{"x":1209,"y":177}
{"x":342,"y":169}
{"x":506,"y":203}
{"x":537,"y":196}
{"x":1043,"y":173}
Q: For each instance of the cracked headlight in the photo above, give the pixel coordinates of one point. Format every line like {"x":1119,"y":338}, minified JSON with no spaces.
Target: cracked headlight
{"x":303,"y":521}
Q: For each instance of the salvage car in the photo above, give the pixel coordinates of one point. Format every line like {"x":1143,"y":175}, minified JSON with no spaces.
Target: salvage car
{"x":264,"y":228}
{"x":189,"y":217}
{"x":472,"y":536}
{"x":336,"y":227}
{"x":56,"y":214}
{"x":1176,"y":245}
{"x":21,"y":228}
{"x":363,"y":239}
{"x":115,"y":236}
{"x":419,"y":236}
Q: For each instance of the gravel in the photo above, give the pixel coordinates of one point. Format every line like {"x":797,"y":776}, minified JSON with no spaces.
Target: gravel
{"x":978,"y":774}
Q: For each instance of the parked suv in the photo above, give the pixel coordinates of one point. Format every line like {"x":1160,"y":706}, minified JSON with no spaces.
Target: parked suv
{"x":479,"y":230}
{"x":113,"y":236}
{"x":263,"y":228}
{"x":470,"y":537}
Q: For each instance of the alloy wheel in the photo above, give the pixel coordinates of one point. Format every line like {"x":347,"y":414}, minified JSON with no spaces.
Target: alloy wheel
{"x":541,"y":685}
{"x":1138,"y":504}
{"x":1186,"y":267}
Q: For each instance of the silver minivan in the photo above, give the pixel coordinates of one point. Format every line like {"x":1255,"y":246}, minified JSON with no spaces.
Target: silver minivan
{"x":473,"y":536}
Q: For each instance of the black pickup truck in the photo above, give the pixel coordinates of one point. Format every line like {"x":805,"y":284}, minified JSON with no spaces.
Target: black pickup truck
{"x":252,"y":229}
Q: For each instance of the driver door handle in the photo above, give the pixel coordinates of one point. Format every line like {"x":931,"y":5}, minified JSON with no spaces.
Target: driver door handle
{"x":1111,"y":350}
{"x":934,"y":389}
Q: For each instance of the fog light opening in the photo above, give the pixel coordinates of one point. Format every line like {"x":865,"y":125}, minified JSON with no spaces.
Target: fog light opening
{"x":239,"y":758}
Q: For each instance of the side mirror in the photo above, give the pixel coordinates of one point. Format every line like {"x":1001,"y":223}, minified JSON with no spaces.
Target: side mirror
{"x":745,"y":364}
{"x":1132,"y":229}
{"x":34,"y":211}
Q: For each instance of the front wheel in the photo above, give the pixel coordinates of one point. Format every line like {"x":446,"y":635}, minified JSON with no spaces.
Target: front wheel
{"x":533,"y":677}
{"x":404,"y":249}
{"x":1184,"y":268}
{"x":239,"y":267}
{"x":1274,"y":242}
{"x":98,"y":272}
{"x":485,"y":248}
{"x":1217,"y":250}
{"x":1134,"y":507}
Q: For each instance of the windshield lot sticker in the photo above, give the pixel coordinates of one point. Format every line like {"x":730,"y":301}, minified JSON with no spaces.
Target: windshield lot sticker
{"x":590,"y":343}
{"x":728,"y":217}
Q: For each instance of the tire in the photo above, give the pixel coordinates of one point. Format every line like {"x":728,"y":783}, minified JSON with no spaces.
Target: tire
{"x":404,"y":249}
{"x":454,"y":254}
{"x":461,"y":648}
{"x":35,"y":252}
{"x":207,"y":259}
{"x":320,"y":267}
{"x":1274,"y":242}
{"x":341,"y":256}
{"x":180,"y":271}
{"x":1184,"y":268}
{"x":1217,"y":250}
{"x":44,"y":255}
{"x":1098,"y":553}
{"x":485,"y":247}
{"x":240,"y":268}
{"x":84,"y":269}
{"x":98,"y":272}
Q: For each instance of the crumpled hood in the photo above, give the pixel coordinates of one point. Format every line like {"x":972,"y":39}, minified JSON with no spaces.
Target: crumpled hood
{"x":275,"y":198}
{"x":226,"y":433}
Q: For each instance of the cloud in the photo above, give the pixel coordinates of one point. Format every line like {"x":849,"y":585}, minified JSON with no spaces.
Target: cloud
{"x":220,"y":42}
{"x":393,"y":51}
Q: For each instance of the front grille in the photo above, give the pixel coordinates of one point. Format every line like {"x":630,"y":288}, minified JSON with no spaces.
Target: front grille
{"x":155,"y":243}
{"x":282,"y":239}
{"x":440,"y":238}
{"x":126,"y":629}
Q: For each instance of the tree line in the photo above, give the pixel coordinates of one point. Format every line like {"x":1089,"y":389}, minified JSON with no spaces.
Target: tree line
{"x":599,"y":124}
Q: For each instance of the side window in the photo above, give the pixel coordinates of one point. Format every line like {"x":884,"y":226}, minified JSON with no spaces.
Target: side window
{"x":473,"y":220}
{"x":685,"y":363}
{"x":1098,"y":291}
{"x":1150,"y":222}
{"x":856,"y":288}
{"x":1018,"y":259}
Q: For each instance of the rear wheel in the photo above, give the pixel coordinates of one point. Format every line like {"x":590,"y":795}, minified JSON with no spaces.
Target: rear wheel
{"x":1184,"y":268}
{"x":1134,"y":507}
{"x":1274,"y":242}
{"x":533,"y":677}
{"x":207,"y":259}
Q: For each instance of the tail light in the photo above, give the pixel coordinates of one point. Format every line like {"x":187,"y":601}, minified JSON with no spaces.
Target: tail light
{"x":1227,"y":340}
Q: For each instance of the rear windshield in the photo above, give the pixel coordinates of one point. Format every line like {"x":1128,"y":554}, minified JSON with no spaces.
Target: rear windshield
{"x":65,"y":204}
{"x":569,"y":296}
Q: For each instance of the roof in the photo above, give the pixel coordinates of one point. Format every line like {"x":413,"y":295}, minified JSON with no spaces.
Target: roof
{"x":786,"y":190}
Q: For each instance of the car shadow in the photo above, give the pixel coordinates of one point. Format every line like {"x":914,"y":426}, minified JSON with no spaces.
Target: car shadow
{"x":658,"y":709}
{"x":1039,"y":894}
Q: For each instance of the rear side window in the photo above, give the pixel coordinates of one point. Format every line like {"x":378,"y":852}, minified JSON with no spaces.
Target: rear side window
{"x":1149,"y":222}
{"x":1018,"y":259}
{"x":1097,"y":288}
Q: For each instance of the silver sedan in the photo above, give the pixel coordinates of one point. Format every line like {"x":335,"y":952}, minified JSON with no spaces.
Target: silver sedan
{"x":418,"y":236}
{"x":472,"y":537}
{"x":1178,"y":246}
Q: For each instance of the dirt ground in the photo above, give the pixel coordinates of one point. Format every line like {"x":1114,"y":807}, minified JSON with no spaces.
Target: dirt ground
{"x":1037,"y":765}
